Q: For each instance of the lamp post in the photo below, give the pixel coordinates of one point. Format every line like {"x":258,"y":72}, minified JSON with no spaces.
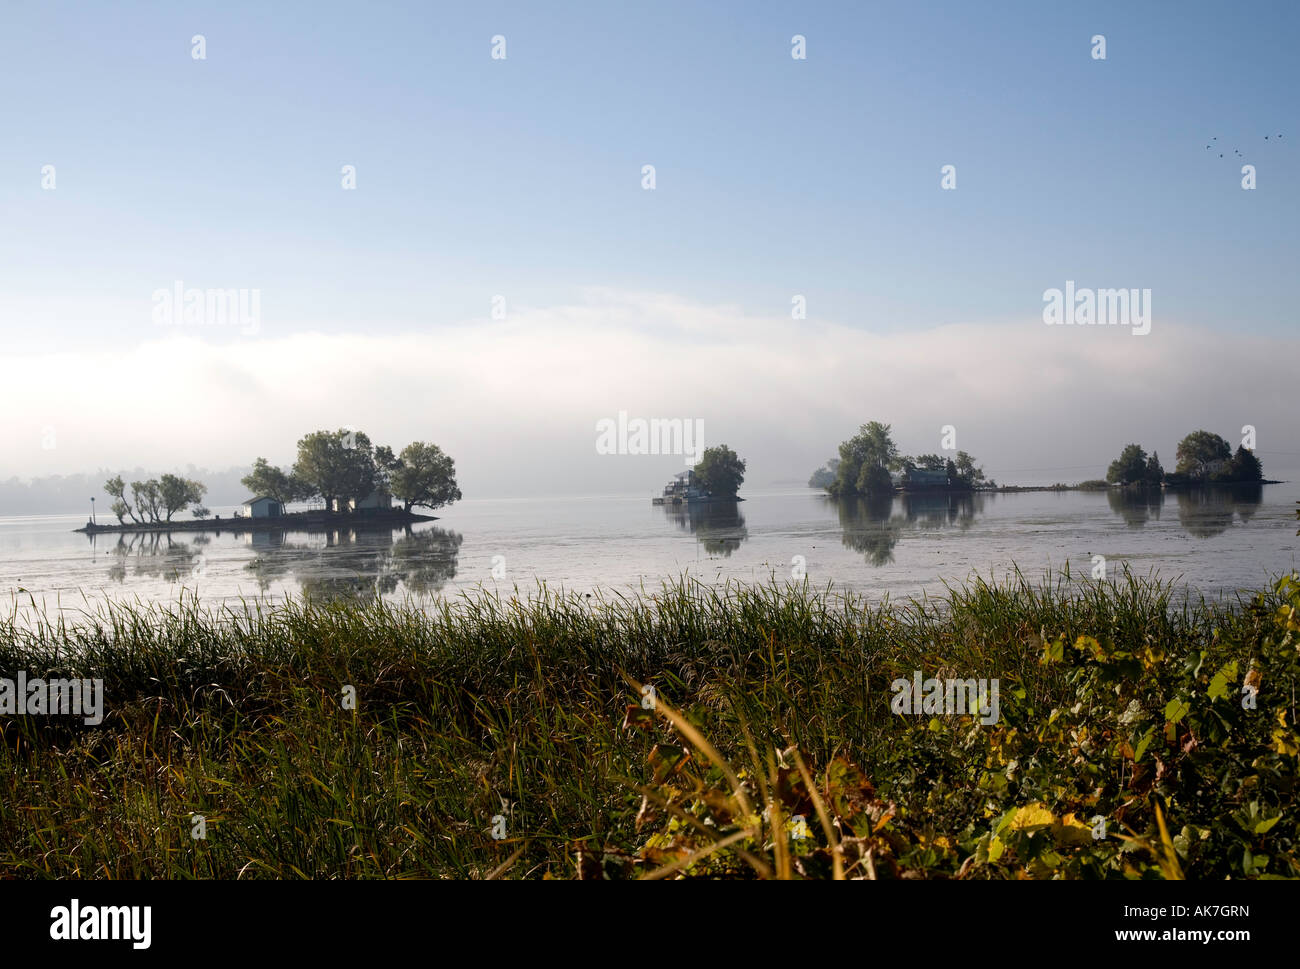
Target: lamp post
{"x":92,"y":509}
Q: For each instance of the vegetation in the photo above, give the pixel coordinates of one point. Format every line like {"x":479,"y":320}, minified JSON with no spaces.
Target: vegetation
{"x":1133,"y":467}
{"x":865,"y":460}
{"x":422,"y":475}
{"x":824,"y":476}
{"x":720,"y":471}
{"x":1206,"y":457}
{"x":767,"y":750}
{"x":155,"y":500}
{"x":343,"y":465}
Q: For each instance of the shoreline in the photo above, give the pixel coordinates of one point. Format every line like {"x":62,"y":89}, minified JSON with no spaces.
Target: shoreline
{"x":243,"y":524}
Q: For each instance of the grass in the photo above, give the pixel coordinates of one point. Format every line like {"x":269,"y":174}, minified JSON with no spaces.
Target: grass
{"x":770,"y":751}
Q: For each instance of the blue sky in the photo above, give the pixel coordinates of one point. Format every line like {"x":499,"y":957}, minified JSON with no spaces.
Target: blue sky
{"x":522,"y":177}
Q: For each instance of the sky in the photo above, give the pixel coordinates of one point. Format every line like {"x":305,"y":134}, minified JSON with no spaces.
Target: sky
{"x":500,"y":279}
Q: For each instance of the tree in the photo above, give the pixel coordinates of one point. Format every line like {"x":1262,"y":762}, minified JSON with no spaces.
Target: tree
{"x":864,"y":462}
{"x":386,"y":465}
{"x":720,"y":471}
{"x":336,"y":465}
{"x":929,"y":462}
{"x":1154,"y":472}
{"x":176,"y":493}
{"x":1245,"y":466}
{"x":1130,"y":467}
{"x":121,"y":507}
{"x":424,"y":476}
{"x":1199,"y":450}
{"x":824,"y":476}
{"x":200,"y":512}
{"x":148,"y":498}
{"x":267,"y":480}
{"x":967,"y":473}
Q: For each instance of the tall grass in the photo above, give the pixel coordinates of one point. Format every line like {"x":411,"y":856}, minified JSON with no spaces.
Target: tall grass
{"x":491,"y":705}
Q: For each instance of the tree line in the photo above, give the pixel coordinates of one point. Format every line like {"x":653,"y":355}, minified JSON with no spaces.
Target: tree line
{"x":867,"y":459}
{"x":155,"y":500}
{"x":1203,"y":457}
{"x":344,"y":464}
{"x":337,"y":466}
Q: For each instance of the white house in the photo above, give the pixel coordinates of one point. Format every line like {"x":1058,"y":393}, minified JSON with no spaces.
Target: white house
{"x":263,"y":507}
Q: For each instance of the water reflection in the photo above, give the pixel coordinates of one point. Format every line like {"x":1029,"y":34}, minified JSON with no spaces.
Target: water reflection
{"x":873,"y":526}
{"x":718,"y":525}
{"x":1202,"y":512}
{"x":356,"y":563}
{"x":1136,"y":507}
{"x":154,"y":555}
{"x":1206,"y":512}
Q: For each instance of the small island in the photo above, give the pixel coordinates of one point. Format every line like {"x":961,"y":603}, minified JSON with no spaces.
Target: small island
{"x":717,"y":477}
{"x":870,"y":464}
{"x":355,"y":484}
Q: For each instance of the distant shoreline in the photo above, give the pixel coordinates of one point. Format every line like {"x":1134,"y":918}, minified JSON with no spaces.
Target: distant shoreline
{"x":246,"y":524}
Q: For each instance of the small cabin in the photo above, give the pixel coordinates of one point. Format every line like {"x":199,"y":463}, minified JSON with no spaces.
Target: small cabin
{"x":263,"y":507}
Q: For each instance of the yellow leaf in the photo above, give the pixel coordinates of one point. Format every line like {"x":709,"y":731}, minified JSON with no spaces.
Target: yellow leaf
{"x":1031,"y":817}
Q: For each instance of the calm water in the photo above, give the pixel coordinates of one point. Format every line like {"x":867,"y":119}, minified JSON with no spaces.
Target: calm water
{"x":1217,"y":542}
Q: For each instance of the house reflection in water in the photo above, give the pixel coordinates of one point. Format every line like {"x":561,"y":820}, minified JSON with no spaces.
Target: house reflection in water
{"x":718,"y":525}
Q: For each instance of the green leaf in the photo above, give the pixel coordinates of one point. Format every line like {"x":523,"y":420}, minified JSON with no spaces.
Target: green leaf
{"x":1219,"y":683}
{"x":1176,"y":709}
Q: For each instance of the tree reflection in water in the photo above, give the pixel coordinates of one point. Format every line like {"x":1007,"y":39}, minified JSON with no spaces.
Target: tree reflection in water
{"x":1136,"y":506}
{"x":1206,"y":512}
{"x":717,"y":525}
{"x":1202,"y":512}
{"x":873,"y":526}
{"x":154,"y":555}
{"x":357,"y":563}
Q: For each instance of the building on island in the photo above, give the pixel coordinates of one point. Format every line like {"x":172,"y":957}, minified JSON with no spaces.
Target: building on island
{"x":685,"y":487}
{"x":377,"y":500}
{"x":263,"y":507}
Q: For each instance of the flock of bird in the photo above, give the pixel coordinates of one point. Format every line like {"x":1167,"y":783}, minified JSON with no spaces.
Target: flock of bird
{"x":1210,"y":147}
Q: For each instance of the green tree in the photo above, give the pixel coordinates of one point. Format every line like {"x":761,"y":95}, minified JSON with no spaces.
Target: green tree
{"x":120,"y":507}
{"x":176,"y":494}
{"x":1245,"y":466}
{"x":1198,"y":450}
{"x":148,"y":499}
{"x":267,"y":480}
{"x":337,"y":465}
{"x":929,"y":462}
{"x":720,"y":471}
{"x":967,"y":473}
{"x":824,"y":476}
{"x":424,"y":476}
{"x":1154,"y":472}
{"x":865,"y":460}
{"x":1130,"y":467}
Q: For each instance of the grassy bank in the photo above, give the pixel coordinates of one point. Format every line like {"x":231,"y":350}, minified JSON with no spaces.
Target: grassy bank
{"x":772,"y":703}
